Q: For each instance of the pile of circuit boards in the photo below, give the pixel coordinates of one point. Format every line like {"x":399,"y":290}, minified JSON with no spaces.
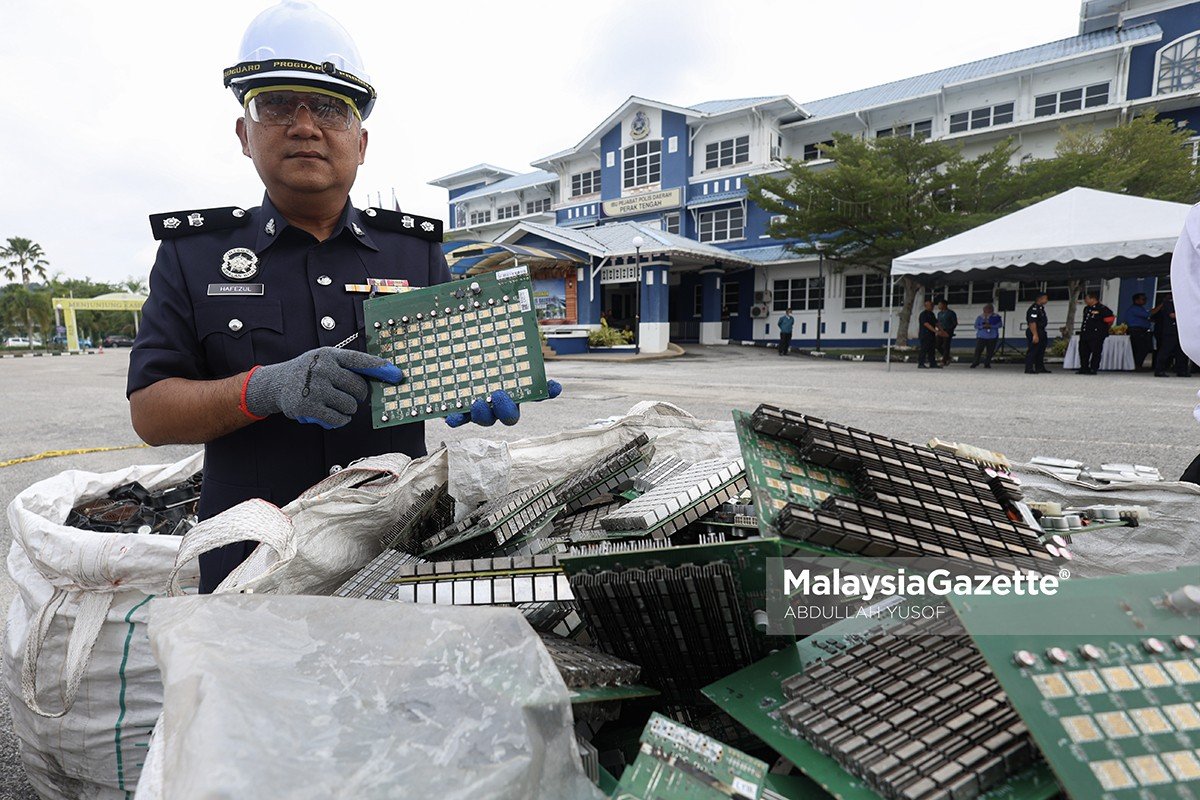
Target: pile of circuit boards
{"x":650,"y":579}
{"x":131,"y":508}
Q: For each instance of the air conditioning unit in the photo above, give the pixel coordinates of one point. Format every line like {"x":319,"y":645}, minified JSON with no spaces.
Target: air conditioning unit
{"x":776,"y":153}
{"x":762,"y":298}
{"x":758,"y":312}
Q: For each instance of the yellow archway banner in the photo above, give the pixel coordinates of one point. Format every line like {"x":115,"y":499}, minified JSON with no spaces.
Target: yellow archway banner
{"x":104,"y":302}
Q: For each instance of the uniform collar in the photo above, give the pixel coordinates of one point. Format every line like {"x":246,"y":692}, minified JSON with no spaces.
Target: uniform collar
{"x":271,"y":224}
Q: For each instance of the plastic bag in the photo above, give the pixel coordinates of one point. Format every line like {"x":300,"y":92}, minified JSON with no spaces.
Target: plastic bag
{"x":324,"y":697}
{"x":82,"y":684}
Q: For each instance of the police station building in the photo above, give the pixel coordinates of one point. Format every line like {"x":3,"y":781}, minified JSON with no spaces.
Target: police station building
{"x":647,"y":217}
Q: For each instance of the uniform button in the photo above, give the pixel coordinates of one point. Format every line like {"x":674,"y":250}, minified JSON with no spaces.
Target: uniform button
{"x":239,"y":213}
{"x":324,"y":280}
{"x":235,"y":325}
{"x":326,"y":322}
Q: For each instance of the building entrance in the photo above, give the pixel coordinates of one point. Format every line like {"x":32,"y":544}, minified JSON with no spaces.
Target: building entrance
{"x":619,"y":305}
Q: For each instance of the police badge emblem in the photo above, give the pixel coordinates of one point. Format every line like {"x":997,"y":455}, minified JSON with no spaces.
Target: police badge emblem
{"x":239,"y":264}
{"x":640,"y":127}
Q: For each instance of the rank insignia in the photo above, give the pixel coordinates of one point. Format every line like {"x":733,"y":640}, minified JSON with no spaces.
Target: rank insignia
{"x":171,"y":222}
{"x":207,"y":220}
{"x":270,"y":227}
{"x":195,"y":220}
{"x":239,"y":264}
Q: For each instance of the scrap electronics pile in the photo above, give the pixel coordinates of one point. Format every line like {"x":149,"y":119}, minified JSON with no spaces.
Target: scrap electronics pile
{"x":648,"y":578}
{"x":130,"y":508}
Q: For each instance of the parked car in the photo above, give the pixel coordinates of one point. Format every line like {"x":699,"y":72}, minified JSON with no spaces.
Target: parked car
{"x":117,"y":341}
{"x":16,"y":341}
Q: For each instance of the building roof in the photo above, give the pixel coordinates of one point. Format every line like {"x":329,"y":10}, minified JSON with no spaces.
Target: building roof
{"x":773,"y":254}
{"x":535,"y":178}
{"x":714,"y":107}
{"x":711,"y":108}
{"x":932,"y":83}
{"x":616,"y":239}
{"x":479,"y":169}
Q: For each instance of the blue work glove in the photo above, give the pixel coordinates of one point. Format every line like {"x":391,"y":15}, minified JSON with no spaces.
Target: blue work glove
{"x":322,"y":387}
{"x":499,"y":407}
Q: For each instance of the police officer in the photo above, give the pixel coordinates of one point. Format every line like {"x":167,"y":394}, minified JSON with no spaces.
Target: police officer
{"x":1036,"y":335}
{"x":1097,"y":319}
{"x":252,"y":338}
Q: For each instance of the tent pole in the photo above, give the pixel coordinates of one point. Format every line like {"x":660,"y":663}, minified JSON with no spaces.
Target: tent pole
{"x":891,"y":320}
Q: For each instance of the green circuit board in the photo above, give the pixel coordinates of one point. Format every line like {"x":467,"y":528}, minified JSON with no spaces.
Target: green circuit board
{"x":753,"y":697}
{"x":675,"y":762}
{"x":456,"y":343}
{"x":779,"y":474}
{"x":1106,"y":675}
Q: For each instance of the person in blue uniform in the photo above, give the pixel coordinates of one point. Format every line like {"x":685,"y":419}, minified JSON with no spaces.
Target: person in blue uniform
{"x":252,"y":338}
{"x":987,"y":335}
{"x":1170,"y":351}
{"x":1097,"y":319}
{"x":1137,"y":318}
{"x":786,"y":324}
{"x":1036,"y":335}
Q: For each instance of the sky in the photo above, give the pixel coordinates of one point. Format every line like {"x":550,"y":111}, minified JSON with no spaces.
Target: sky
{"x":116,"y":110}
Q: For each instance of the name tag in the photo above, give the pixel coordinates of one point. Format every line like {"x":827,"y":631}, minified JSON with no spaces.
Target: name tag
{"x":234,"y":288}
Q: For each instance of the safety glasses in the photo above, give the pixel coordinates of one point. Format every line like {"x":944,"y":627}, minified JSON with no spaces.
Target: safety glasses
{"x":280,"y":107}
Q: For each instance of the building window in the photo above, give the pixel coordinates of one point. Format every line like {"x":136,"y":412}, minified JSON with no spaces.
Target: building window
{"x":481,"y":217}
{"x":727,"y":153}
{"x":1179,"y":65}
{"x":722,"y":224}
{"x":670,"y":222}
{"x":585,"y":183}
{"x":538,"y":206}
{"x":973,"y":293}
{"x":868,"y":291}
{"x":643,"y":164}
{"x":798,"y":294}
{"x":698,"y":304}
{"x":460,"y":216}
{"x":908,"y":130}
{"x":1070,"y":100}
{"x":813,"y":151}
{"x":731,"y":295}
{"x":1030,"y":290}
{"x":508,"y":212}
{"x":981,"y":118}
{"x":1193,"y":148}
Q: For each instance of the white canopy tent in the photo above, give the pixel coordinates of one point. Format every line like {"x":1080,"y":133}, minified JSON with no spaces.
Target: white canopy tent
{"x":1081,"y":233}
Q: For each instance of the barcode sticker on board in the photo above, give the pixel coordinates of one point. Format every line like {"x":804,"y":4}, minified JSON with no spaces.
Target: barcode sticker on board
{"x":524,"y":295}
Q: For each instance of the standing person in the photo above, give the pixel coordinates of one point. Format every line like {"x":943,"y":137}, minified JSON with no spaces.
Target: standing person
{"x":1036,"y":335}
{"x":1169,"y":348}
{"x":786,"y":323}
{"x":987,"y":336}
{"x":1137,"y":318}
{"x":271,"y":375}
{"x":929,"y":331}
{"x":947,"y":321}
{"x":1097,"y":319}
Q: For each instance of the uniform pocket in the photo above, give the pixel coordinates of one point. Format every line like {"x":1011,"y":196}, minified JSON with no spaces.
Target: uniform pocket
{"x":229,"y":330}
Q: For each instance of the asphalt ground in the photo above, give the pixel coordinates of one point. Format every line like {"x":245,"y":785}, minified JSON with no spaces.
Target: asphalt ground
{"x":79,"y":402}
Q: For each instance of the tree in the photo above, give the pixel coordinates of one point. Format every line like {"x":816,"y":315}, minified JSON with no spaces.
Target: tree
{"x":884,"y":198}
{"x":1146,"y":157}
{"x":23,"y":257}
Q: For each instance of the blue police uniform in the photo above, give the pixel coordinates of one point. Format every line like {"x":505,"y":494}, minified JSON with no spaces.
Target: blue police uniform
{"x":232,"y":288}
{"x":1035,"y":354}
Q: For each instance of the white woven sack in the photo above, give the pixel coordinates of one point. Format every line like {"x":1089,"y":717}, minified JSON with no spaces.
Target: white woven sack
{"x":83,"y":686}
{"x":315,"y":543}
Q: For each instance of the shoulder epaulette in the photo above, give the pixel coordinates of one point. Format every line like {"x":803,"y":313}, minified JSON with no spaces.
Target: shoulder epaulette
{"x":402,"y":222}
{"x":185,"y":223}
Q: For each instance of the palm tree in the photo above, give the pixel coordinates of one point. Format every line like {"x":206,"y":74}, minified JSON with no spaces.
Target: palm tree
{"x":24,"y":256}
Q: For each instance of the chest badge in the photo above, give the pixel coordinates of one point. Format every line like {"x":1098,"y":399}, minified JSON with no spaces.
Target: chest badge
{"x":239,"y":264}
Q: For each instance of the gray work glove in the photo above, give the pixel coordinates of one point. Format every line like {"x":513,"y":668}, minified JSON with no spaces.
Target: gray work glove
{"x":323,"y":386}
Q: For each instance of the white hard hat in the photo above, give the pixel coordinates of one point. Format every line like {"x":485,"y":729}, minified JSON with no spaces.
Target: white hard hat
{"x":296,"y":43}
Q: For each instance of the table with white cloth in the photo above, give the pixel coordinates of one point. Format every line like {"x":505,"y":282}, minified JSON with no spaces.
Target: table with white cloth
{"x":1117,"y":354}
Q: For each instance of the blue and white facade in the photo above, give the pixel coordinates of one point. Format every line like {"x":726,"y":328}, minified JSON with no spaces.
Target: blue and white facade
{"x":675,"y":176}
